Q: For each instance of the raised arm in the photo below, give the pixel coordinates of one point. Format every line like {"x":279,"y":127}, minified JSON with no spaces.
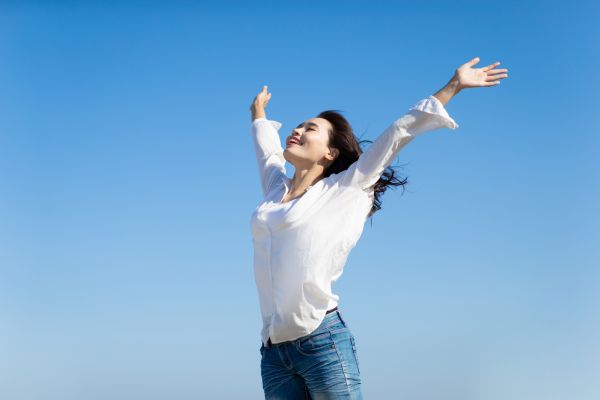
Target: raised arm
{"x":426,"y":115}
{"x":267,"y":145}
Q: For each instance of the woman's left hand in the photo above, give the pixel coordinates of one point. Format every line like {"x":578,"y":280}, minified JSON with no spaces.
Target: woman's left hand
{"x":469,"y":77}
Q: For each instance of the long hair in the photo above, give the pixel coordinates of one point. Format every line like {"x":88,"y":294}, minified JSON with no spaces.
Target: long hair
{"x":342,"y":138}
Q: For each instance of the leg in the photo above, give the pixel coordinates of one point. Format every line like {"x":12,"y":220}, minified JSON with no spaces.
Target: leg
{"x":328,"y":363}
{"x":279,"y":381}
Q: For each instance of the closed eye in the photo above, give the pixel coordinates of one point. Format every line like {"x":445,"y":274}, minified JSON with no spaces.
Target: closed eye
{"x":308,"y":129}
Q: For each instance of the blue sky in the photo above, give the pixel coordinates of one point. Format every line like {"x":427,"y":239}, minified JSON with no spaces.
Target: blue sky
{"x":127,"y":181}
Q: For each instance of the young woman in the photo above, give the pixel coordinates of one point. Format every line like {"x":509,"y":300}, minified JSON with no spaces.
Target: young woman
{"x":305,"y":227}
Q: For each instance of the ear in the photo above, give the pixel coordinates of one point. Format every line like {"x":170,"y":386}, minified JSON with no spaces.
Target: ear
{"x":333,"y":153}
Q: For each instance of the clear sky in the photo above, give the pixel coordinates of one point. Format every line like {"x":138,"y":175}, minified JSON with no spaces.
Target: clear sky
{"x":127,"y":181}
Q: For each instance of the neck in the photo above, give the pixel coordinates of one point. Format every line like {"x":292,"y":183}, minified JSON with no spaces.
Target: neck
{"x":304,"y":178}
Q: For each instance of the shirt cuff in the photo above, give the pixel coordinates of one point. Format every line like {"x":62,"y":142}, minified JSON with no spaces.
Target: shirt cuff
{"x":274,"y":124}
{"x":432,"y":105}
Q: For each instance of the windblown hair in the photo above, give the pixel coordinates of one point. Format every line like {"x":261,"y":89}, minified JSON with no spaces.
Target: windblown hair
{"x":342,"y":138}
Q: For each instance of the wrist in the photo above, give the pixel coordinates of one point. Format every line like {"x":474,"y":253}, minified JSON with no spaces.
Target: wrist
{"x":450,"y":89}
{"x":258,"y":113}
{"x":454,"y":85}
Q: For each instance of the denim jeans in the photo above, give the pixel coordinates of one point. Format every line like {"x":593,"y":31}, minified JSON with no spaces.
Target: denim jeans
{"x":321,"y":365}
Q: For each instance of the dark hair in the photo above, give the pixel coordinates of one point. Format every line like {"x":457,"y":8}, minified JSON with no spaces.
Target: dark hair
{"x":342,"y":138}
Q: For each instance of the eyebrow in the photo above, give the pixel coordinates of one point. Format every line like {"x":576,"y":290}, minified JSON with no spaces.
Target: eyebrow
{"x":309,"y":124}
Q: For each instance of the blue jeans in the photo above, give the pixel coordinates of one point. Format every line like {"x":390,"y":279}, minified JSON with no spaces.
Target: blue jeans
{"x":321,"y":365}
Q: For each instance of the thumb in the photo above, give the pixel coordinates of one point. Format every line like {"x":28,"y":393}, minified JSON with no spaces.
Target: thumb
{"x":473,"y":61}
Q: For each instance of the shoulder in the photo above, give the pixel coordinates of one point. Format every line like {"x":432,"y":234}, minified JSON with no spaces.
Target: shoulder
{"x":334,"y":182}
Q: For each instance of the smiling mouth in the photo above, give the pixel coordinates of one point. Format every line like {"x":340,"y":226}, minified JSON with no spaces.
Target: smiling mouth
{"x":294,"y":141}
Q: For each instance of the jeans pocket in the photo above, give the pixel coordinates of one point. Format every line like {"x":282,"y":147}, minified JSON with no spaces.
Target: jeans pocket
{"x":316,"y":344}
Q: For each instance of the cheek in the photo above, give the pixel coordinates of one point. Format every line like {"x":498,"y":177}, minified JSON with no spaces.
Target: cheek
{"x":318,"y":142}
{"x":312,"y":145}
{"x":317,"y":149}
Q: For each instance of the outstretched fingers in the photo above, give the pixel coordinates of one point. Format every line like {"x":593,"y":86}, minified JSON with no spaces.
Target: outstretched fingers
{"x":491,"y":66}
{"x":497,"y":74}
{"x":497,"y":71}
{"x":495,"y":79}
{"x":491,"y":83}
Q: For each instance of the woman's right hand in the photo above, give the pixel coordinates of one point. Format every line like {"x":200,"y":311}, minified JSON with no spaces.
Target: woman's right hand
{"x":260,"y":103}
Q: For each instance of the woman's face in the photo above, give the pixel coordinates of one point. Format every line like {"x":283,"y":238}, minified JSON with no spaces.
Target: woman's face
{"x":308,"y":143}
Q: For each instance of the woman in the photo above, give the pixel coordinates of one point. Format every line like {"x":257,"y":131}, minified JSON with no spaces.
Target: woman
{"x":306,"y":226}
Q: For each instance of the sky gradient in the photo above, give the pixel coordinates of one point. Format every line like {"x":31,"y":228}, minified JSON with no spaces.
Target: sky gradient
{"x":127,"y":181}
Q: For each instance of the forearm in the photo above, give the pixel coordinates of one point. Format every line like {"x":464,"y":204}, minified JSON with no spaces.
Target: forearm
{"x":451,"y":89}
{"x":268,"y":151}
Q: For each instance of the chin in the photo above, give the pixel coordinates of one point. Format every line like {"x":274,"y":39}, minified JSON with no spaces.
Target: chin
{"x":289,"y":156}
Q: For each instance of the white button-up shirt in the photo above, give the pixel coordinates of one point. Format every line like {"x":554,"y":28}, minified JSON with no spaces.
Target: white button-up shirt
{"x":301,"y":246}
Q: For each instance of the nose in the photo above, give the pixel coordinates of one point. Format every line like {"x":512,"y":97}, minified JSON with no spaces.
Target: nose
{"x":296,"y":134}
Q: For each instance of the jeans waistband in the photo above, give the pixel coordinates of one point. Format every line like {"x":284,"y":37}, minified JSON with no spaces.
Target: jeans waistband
{"x":269,"y":343}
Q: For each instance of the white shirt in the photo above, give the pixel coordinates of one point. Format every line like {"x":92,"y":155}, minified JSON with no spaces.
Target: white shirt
{"x":301,"y":246}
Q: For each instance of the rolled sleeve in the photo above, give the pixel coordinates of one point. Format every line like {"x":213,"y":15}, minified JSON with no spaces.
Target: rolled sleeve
{"x":426,"y":115}
{"x":431,"y":115}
